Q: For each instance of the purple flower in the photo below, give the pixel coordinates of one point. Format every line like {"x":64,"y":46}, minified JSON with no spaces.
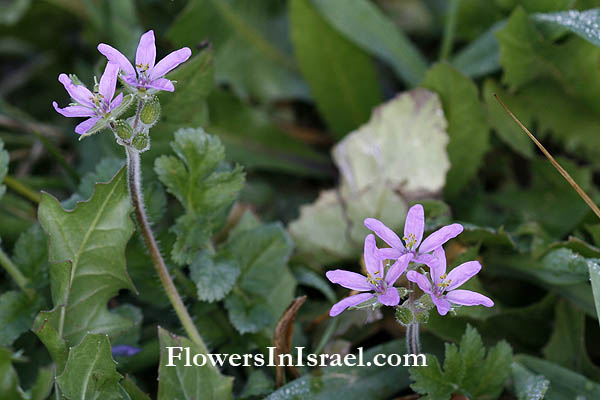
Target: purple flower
{"x":413,"y":234}
{"x":148,"y":76}
{"x":124,"y":350}
{"x":95,"y":105}
{"x":376,"y":281}
{"x":443,"y":290}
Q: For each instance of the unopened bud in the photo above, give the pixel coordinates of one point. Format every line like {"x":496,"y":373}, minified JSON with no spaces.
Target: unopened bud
{"x":141,"y":141}
{"x":422,"y":317}
{"x":150,"y":111}
{"x":123,"y":130}
{"x":404,"y":315}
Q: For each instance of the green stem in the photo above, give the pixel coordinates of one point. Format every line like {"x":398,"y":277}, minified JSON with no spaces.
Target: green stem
{"x":135,"y":191}
{"x":449,"y":29}
{"x":15,"y":273}
{"x":413,"y":344}
{"x":20,"y":188}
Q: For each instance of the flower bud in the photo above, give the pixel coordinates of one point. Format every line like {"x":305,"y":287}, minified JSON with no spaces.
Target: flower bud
{"x":123,"y":130}
{"x":141,"y":141}
{"x":150,"y":111}
{"x":422,"y":317}
{"x":404,"y":315}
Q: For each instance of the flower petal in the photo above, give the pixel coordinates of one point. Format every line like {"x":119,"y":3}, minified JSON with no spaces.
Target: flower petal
{"x":146,"y":53}
{"x":384,"y":233}
{"x":79,"y":93}
{"x":108,"y":82}
{"x":469,"y":298}
{"x":420,"y":279}
{"x":124,"y":350}
{"x":171,"y":61}
{"x":462,"y":273}
{"x":397,"y":269}
{"x":349,"y":302}
{"x":390,"y":297}
{"x":389,"y":253}
{"x":161,"y":84}
{"x":415,"y":223}
{"x":116,"y":102}
{"x":349,"y":280}
{"x":74,"y":111}
{"x":443,"y":305}
{"x":373,"y":262}
{"x":116,"y":57}
{"x":440,"y":267}
{"x":86,"y":125}
{"x":439,"y":237}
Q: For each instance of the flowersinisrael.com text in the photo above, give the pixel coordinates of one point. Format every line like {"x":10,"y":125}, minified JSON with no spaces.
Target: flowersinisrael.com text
{"x":183,"y":356}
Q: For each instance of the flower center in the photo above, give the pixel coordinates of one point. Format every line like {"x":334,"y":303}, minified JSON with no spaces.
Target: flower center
{"x":100,"y":103}
{"x":441,"y":287}
{"x":376,"y":281}
{"x":410,"y":241}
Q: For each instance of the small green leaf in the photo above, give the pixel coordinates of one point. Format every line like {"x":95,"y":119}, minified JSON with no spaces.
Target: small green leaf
{"x":189,"y":383}
{"x":258,"y":384}
{"x":3,"y":167}
{"x":203,"y":185}
{"x":431,"y":380}
{"x":87,"y":252}
{"x":265,"y":286}
{"x":90,"y":372}
{"x":341,"y":76}
{"x":31,"y":256}
{"x":373,"y":31}
{"x":528,"y":386}
{"x":214,"y":276}
{"x":481,"y":56}
{"x":467,"y":124}
{"x":17,"y":312}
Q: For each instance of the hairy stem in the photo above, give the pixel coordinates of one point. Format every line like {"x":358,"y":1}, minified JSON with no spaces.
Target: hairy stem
{"x":15,"y":273}
{"x":413,"y":342}
{"x":135,"y":191}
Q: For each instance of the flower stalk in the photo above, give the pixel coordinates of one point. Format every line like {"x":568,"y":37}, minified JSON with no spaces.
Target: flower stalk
{"x":413,"y":343}
{"x":20,"y":279}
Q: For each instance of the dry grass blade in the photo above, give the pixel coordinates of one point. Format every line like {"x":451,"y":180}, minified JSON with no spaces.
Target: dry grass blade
{"x":556,"y":165}
{"x":284,"y":331}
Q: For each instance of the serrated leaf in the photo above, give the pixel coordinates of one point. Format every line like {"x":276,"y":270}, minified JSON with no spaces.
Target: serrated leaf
{"x":400,"y":152}
{"x":374,"y":32}
{"x":265,"y":286}
{"x":341,"y":76}
{"x":3,"y":167}
{"x":87,"y":255}
{"x":31,"y":256}
{"x":17,"y":312}
{"x":203,"y":185}
{"x":528,"y":386}
{"x":214,"y":276}
{"x":189,"y":383}
{"x":467,"y":124}
{"x":90,"y":372}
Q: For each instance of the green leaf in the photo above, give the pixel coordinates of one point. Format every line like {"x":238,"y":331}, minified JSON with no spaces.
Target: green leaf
{"x":467,"y":125}
{"x":582,"y":23}
{"x":527,"y":385}
{"x":265,"y":286}
{"x":467,"y":370}
{"x":43,"y":383}
{"x":482,"y":56}
{"x":214,"y":276}
{"x":379,"y":164}
{"x":567,"y":345}
{"x":90,"y":372}
{"x":9,"y":384}
{"x":17,"y":312}
{"x":357,"y":382}
{"x":341,"y":76}
{"x":251,"y":46}
{"x":253,"y":140}
{"x":3,"y":167}
{"x":258,"y":384}
{"x":43,"y":327}
{"x":369,"y":28}
{"x":31,"y":256}
{"x":595,"y":279}
{"x":133,"y":390}
{"x":189,"y":383}
{"x":564,"y":383}
{"x":203,"y":185}
{"x":87,"y":252}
